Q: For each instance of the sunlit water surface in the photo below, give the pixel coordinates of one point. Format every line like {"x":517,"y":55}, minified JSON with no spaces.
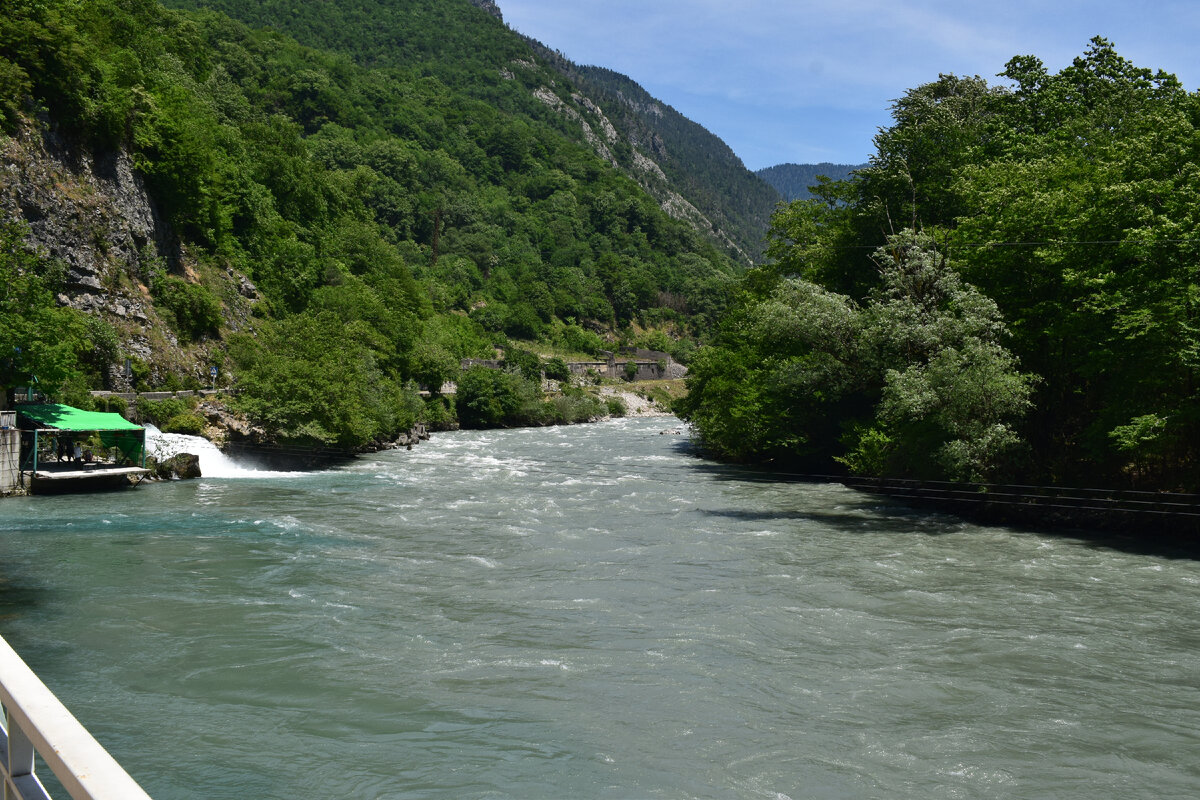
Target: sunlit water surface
{"x":594,"y":612}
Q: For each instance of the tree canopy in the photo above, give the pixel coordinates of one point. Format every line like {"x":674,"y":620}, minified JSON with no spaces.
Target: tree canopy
{"x":1056,"y":216}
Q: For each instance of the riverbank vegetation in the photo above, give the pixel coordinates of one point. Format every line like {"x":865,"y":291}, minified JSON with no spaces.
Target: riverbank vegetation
{"x":1009,"y":290}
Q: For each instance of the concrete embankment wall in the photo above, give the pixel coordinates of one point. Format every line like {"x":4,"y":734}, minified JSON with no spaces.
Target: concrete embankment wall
{"x":133,"y":396}
{"x":10,"y":452}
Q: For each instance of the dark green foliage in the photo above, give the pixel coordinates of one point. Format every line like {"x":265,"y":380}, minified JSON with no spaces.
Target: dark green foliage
{"x":523,"y":362}
{"x":191,"y":424}
{"x":914,"y":382}
{"x":579,"y":340}
{"x":432,"y":365}
{"x":161,"y":413}
{"x":42,"y":345}
{"x":1069,"y":202}
{"x":489,"y":398}
{"x":113,"y":405}
{"x":439,"y":413}
{"x":313,"y":380}
{"x":556,"y":369}
{"x":196,"y":311}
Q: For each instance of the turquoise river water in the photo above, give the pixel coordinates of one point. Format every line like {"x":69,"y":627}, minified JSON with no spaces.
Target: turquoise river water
{"x":595,"y":612}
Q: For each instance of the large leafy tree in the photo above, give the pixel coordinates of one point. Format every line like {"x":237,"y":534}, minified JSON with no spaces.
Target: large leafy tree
{"x":914,"y":381}
{"x":41,"y":343}
{"x":951,"y":389}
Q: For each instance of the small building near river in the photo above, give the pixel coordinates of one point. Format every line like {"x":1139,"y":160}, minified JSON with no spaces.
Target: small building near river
{"x":67,"y":449}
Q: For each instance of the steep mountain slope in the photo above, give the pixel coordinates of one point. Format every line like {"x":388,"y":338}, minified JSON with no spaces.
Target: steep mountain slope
{"x":203,"y":193}
{"x":694,"y":176}
{"x":690,"y":160}
{"x":793,"y":180}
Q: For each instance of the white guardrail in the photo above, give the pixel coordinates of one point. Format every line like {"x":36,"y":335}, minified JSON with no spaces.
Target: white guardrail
{"x":35,"y":720}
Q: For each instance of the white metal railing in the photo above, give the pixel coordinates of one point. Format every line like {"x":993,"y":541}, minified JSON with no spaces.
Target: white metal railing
{"x":35,"y":721}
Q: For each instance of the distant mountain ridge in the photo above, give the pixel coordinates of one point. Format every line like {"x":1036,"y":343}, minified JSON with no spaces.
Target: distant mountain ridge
{"x":792,"y":181}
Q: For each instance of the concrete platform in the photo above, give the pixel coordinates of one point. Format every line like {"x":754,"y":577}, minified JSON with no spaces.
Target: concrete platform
{"x":55,"y":478}
{"x":85,"y":471}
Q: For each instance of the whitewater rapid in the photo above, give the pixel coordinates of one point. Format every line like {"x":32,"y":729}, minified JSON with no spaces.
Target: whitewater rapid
{"x":213,"y":463}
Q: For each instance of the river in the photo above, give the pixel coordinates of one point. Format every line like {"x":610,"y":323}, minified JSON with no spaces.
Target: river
{"x":595,"y":612}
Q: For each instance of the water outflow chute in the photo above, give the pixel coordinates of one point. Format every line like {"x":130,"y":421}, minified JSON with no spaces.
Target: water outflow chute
{"x":213,"y":463}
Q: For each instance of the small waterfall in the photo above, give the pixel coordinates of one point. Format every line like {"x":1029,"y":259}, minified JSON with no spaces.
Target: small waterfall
{"x":213,"y":463}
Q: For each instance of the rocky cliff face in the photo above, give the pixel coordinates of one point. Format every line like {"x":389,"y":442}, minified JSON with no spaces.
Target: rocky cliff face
{"x":490,"y":7}
{"x":642,"y":168}
{"x":692,"y":174}
{"x":91,"y":213}
{"x":88,"y":211}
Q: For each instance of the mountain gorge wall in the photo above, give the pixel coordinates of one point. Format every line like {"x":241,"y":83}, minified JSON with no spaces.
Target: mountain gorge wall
{"x":90,"y":216}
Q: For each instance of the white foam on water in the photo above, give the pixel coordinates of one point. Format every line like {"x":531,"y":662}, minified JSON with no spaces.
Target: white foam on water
{"x":213,"y":463}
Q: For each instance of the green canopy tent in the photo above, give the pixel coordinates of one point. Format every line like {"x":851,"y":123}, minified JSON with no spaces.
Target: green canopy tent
{"x":115,"y":431}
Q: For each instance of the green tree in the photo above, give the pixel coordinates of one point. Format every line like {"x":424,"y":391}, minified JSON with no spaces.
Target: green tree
{"x":40,"y":343}
{"x":312,"y":380}
{"x":917,"y":378}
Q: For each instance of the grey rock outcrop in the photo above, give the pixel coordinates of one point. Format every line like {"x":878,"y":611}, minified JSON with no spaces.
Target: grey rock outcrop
{"x":490,"y":7}
{"x":90,"y":211}
{"x":182,"y":466}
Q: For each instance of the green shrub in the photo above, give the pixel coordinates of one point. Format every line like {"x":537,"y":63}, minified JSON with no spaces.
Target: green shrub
{"x":582,"y":341}
{"x":432,"y":365}
{"x":575,"y":407}
{"x":188,"y":423}
{"x":314,"y":380}
{"x":616,"y":407}
{"x":196,"y":311}
{"x":524,"y":362}
{"x":114,"y":405}
{"x":439,"y":414}
{"x":556,"y":369}
{"x":488,"y":398}
{"x":160,"y":412}
{"x":139,"y":372}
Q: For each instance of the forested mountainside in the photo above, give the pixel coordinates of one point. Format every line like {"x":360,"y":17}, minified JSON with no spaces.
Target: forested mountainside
{"x":690,"y":172}
{"x":691,"y":161}
{"x":1009,"y":290}
{"x":184,"y":190}
{"x":793,"y":181}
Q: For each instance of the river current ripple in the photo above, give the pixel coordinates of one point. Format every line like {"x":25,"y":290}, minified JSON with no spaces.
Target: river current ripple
{"x":595,"y":612}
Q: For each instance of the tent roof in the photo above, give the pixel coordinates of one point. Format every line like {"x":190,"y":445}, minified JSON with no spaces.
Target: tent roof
{"x":67,"y":418}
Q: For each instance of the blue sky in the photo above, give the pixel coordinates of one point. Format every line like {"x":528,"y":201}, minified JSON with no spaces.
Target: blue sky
{"x":810,"y":80}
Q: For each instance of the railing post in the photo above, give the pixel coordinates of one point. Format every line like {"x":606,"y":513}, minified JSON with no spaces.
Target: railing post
{"x":20,"y":749}
{"x":20,"y":783}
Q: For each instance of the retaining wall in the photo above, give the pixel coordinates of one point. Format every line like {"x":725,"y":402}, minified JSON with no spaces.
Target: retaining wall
{"x":10,"y":452}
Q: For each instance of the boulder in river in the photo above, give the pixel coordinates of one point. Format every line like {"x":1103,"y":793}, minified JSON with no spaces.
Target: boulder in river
{"x":181,"y":466}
